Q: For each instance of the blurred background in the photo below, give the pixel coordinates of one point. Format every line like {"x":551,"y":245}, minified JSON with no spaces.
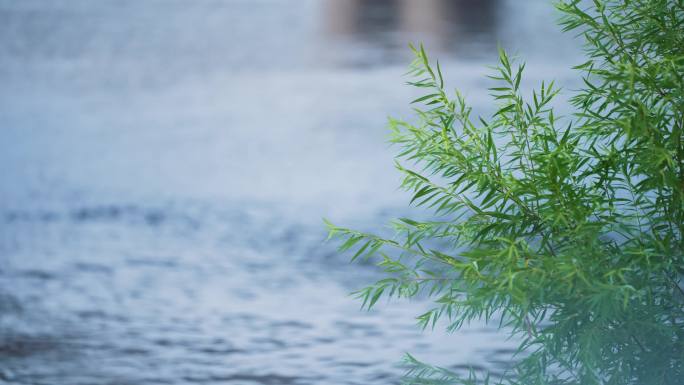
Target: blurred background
{"x":166,"y":165}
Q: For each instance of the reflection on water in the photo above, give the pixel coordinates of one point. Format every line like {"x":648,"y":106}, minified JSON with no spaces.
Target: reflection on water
{"x":166,"y":165}
{"x":463,"y":28}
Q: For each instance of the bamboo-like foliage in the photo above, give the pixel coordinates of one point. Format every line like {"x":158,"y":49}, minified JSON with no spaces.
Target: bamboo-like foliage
{"x":569,"y":233}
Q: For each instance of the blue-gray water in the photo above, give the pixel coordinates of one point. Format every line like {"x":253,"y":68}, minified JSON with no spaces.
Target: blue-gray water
{"x":166,"y":164}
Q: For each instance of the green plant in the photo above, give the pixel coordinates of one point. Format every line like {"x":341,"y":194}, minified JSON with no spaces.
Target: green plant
{"x":568,"y":232}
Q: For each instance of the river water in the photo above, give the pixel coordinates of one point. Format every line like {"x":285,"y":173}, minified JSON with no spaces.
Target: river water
{"x":166,"y":165}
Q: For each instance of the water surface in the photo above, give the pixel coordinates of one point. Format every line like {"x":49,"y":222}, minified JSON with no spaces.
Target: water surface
{"x":166,"y":165}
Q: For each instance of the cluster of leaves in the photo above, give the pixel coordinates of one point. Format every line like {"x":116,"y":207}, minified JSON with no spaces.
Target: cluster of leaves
{"x":567,"y":232}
